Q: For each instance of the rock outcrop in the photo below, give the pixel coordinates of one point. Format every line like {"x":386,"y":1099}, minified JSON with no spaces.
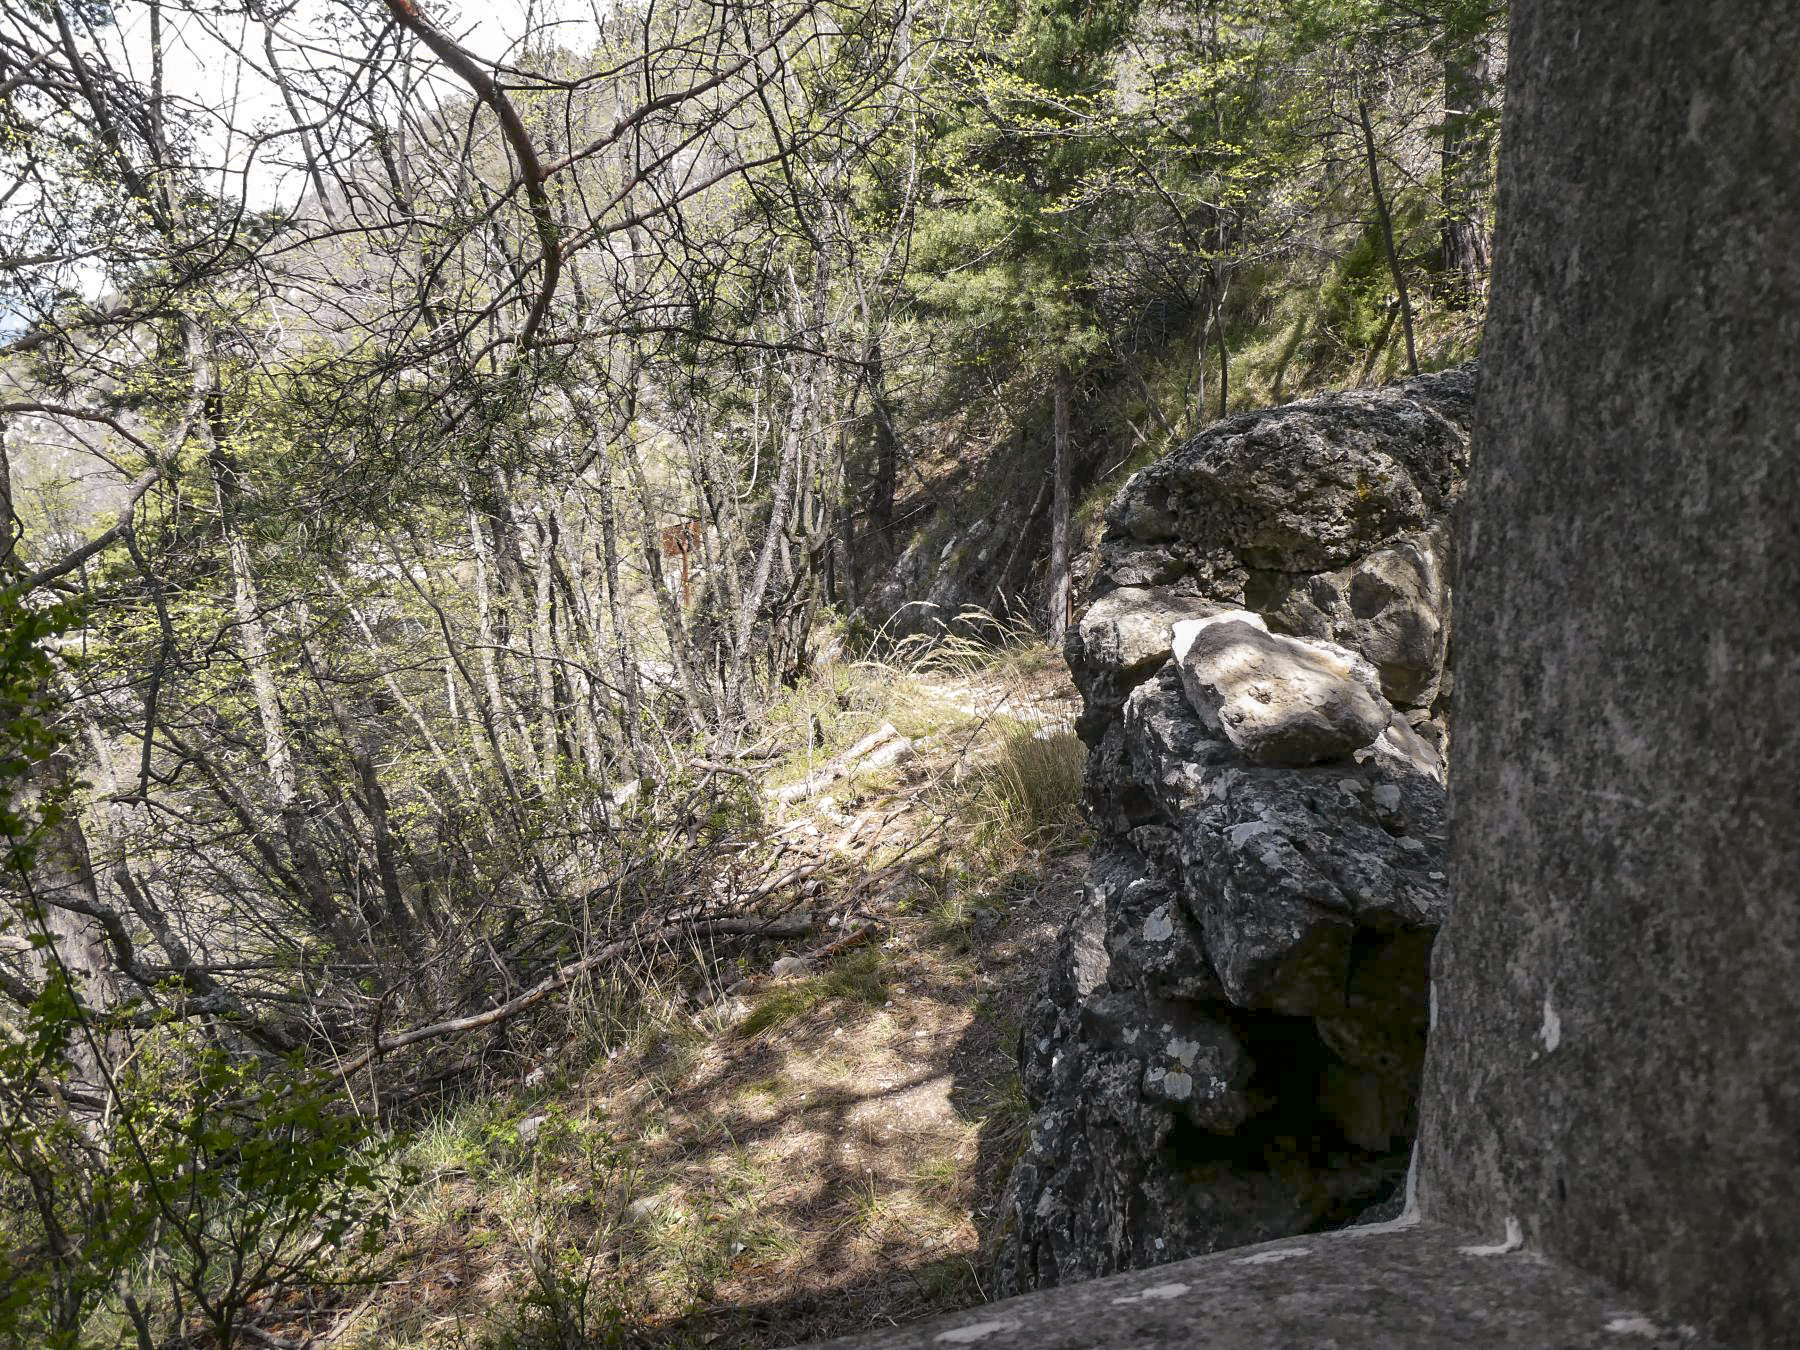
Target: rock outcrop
{"x":1227,"y":1045}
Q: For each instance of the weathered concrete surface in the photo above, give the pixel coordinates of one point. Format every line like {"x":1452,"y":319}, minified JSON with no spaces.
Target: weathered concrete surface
{"x":1615,"y":1065}
{"x":1391,"y":1288}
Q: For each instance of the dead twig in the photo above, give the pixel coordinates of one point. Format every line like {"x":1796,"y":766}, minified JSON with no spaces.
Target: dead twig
{"x":732,"y":926}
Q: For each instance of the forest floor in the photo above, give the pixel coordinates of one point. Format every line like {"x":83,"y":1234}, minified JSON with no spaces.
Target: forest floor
{"x":813,"y":1141}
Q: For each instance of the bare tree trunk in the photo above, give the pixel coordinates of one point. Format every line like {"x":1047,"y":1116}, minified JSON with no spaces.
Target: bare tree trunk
{"x":847,"y":589}
{"x":543,"y":653}
{"x":887,"y":444}
{"x":1471,"y":94}
{"x":10,"y":528}
{"x":373,"y":804}
{"x":492,"y":638}
{"x":570,"y":565}
{"x":1386,"y":221}
{"x":668,"y":608}
{"x":1061,"y":598}
{"x":781,"y":503}
{"x":1220,"y":345}
{"x":458,"y":772}
{"x":64,"y":879}
{"x":630,"y":688}
{"x":520,"y":628}
{"x":724,"y":539}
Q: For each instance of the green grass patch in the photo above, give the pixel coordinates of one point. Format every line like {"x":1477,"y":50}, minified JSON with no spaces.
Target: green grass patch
{"x":857,"y":977}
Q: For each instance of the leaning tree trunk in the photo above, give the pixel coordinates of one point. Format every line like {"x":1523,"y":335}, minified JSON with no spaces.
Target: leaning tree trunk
{"x":1385,"y":219}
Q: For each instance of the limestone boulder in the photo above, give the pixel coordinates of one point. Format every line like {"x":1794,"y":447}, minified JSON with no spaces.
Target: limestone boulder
{"x":1305,"y":488}
{"x":1293,"y":877}
{"x":1152,"y":941}
{"x":1390,"y":606}
{"x":1228,"y":1039}
{"x":1158,"y":1120}
{"x":1122,"y":637}
{"x":1278,"y":699}
{"x":1247,"y":968}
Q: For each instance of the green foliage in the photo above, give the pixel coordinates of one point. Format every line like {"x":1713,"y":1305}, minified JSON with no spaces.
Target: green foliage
{"x":30,"y":729}
{"x":209,"y":1181}
{"x":1116,"y":187}
{"x":1355,"y":300}
{"x":202,"y":1178}
{"x":1006,"y":249}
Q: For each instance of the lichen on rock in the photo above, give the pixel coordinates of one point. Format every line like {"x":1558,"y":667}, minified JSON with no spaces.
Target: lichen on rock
{"x":1227,"y":1043}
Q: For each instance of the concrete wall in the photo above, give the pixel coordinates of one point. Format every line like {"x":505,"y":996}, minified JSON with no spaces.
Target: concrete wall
{"x":1615,"y":1065}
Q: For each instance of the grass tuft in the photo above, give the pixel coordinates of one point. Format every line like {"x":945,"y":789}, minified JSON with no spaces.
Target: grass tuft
{"x":1029,"y":796}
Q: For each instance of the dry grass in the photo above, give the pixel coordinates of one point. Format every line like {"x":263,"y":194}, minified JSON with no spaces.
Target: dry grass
{"x":812,"y":1155}
{"x":1028,"y":795}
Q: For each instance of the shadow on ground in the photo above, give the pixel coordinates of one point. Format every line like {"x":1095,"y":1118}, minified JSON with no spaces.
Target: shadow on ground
{"x":877,"y":1139}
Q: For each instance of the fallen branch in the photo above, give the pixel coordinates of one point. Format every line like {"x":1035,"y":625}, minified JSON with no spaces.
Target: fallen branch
{"x":781,"y":926}
{"x":798,"y":965}
{"x":861,"y":935}
{"x":797,"y":873}
{"x":877,"y":750}
{"x":735,"y":926}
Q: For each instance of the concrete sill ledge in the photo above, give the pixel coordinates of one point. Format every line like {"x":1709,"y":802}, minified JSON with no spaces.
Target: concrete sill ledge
{"x":1391,"y":1287}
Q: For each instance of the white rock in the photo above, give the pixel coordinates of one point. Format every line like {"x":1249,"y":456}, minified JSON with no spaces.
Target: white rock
{"x":1278,"y":699}
{"x":644,"y":1206}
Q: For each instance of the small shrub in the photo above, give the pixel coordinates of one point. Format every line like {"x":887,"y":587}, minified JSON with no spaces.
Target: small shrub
{"x":210,"y":1182}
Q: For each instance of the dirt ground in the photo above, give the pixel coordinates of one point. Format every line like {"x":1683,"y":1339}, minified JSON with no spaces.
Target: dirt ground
{"x":818,"y":1144}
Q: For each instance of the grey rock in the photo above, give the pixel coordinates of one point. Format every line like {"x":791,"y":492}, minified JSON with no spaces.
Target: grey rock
{"x":1152,"y":941}
{"x":1227,"y":1043}
{"x":1148,"y":1145}
{"x":1221,"y":991}
{"x":729,"y":1011}
{"x":1405,"y":1286}
{"x":1309,"y":487}
{"x":645,"y":1207}
{"x":1244,"y":517}
{"x":1127,"y":630}
{"x":1122,"y":637}
{"x":1391,"y":606}
{"x":1279,"y":700}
